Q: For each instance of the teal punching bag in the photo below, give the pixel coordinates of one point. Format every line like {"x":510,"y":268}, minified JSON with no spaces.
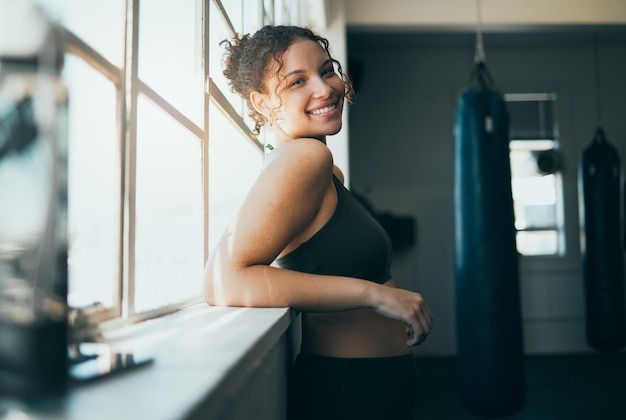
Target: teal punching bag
{"x":488,"y":313}
{"x":599,"y":179}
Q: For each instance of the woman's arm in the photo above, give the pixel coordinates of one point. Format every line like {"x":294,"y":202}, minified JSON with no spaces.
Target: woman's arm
{"x":281,"y":204}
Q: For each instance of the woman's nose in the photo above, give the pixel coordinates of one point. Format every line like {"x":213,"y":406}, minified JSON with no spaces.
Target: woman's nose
{"x":322,"y":87}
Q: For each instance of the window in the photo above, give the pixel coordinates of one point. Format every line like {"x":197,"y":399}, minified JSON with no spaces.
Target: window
{"x":161,"y":153}
{"x":535,"y":174}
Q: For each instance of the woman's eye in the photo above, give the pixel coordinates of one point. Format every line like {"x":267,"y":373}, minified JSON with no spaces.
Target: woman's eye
{"x":297,"y":82}
{"x":328,"y":72}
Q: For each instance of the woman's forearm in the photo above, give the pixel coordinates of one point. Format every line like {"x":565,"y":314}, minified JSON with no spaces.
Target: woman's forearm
{"x":266,"y":286}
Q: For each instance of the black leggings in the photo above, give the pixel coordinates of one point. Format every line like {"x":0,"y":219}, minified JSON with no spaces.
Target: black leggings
{"x":326,"y":388}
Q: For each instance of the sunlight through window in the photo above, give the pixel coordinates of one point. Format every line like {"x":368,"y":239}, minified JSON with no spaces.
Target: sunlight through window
{"x":535,"y":174}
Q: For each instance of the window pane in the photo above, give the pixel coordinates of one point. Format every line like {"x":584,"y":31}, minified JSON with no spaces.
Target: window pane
{"x":235,"y":13}
{"x":534,"y":195}
{"x":169,"y":252}
{"x":234,"y":164}
{"x":170,"y":53}
{"x":533,"y":115}
{"x":537,"y":242}
{"x":537,"y":193}
{"x":253,"y":15}
{"x":105,"y":34}
{"x":219,"y":31}
{"x":93,"y":186}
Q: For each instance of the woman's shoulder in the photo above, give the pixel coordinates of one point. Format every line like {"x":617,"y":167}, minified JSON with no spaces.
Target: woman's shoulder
{"x":305,"y":155}
{"x":307,"y":147}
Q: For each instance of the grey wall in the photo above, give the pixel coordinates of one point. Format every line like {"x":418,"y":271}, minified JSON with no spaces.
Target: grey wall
{"x":402,"y":149}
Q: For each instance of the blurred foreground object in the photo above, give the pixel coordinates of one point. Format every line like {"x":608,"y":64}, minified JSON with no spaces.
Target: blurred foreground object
{"x":33,"y":208}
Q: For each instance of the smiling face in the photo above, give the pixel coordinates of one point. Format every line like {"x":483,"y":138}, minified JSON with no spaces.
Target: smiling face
{"x":306,"y":99}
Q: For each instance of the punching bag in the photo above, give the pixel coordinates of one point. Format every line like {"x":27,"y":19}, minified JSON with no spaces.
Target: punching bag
{"x":601,"y":244}
{"x":488,"y":313}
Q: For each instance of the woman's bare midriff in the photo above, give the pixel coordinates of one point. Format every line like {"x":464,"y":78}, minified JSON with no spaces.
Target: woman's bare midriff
{"x":355,"y":333}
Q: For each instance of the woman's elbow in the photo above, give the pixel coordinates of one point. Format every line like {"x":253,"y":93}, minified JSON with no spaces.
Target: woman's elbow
{"x":215,"y":293}
{"x":220,"y":289}
{"x":213,"y":290}
{"x":209,"y":297}
{"x":213,"y":297}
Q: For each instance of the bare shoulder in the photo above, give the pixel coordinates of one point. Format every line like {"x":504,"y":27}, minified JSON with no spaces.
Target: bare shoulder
{"x":283,"y":201}
{"x":302,"y":155}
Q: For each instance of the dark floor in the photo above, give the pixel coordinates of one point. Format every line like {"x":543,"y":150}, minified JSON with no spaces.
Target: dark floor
{"x":563,"y":387}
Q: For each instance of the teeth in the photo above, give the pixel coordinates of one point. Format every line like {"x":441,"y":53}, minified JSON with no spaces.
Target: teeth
{"x":324,"y":110}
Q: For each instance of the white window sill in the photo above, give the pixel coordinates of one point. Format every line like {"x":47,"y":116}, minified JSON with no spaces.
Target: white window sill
{"x":197,"y":353}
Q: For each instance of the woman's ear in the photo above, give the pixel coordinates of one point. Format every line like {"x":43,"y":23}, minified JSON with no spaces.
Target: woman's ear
{"x":261,"y":104}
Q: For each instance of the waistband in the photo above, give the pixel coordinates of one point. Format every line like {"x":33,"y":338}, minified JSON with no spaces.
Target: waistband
{"x":388,"y":361}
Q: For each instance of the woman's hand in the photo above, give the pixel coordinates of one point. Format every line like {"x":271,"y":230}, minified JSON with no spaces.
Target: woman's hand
{"x":406,"y":306}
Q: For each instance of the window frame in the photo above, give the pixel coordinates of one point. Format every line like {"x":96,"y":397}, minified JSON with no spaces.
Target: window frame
{"x":87,"y":322}
{"x":560,"y":223}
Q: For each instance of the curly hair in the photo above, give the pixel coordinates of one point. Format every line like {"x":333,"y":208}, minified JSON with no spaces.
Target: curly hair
{"x":247,"y":60}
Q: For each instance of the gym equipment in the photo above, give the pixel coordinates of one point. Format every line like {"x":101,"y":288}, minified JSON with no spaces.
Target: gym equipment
{"x":488,"y":313}
{"x":599,"y":179}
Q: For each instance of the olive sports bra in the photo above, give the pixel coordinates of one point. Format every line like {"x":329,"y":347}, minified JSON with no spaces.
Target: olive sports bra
{"x":351,"y":244}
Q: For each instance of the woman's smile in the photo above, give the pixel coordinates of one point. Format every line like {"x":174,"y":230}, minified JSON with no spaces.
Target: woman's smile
{"x":323,"y":110}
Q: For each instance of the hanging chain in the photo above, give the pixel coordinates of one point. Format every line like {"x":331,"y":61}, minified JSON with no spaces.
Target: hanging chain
{"x":479,"y":55}
{"x":596,"y":65}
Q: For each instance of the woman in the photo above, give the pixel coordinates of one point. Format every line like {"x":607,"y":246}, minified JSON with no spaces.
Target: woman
{"x":301,"y":240}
